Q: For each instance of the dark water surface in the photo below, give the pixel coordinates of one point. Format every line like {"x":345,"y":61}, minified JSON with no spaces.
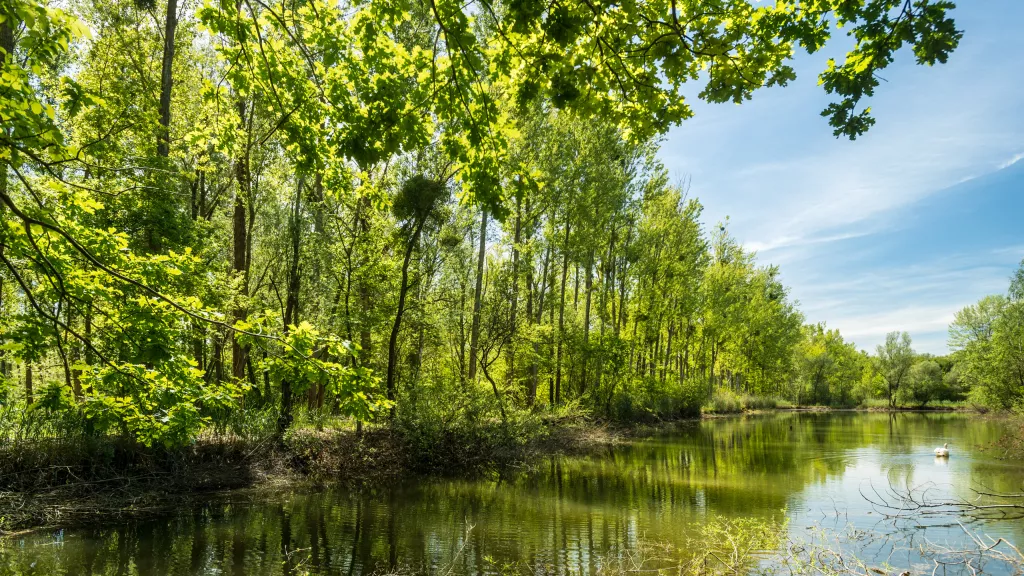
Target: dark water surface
{"x":565,"y":514}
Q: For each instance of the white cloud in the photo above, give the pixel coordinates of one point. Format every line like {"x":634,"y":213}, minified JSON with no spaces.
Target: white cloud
{"x":913,"y":319}
{"x":1013,"y":160}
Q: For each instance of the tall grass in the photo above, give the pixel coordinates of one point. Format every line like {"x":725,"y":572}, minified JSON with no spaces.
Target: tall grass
{"x":725,"y":401}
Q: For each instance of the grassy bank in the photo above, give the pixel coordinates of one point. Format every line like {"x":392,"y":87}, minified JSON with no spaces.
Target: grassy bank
{"x":725,"y":401}
{"x":85,"y":480}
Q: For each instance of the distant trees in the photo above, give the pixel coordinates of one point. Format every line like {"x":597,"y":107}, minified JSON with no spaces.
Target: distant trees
{"x":924,"y":383}
{"x":828,"y":367}
{"x":895,"y":358}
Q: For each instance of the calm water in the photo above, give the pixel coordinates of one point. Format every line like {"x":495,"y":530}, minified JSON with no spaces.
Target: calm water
{"x":564,"y":515}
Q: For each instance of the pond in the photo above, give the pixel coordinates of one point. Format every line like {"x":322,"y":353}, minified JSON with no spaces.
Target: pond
{"x":568,"y":515}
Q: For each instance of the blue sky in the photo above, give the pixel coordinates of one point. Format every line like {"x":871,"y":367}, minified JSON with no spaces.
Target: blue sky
{"x":900,"y":228}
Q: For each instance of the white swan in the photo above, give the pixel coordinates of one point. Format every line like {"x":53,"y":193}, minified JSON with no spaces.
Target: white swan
{"x":944,"y":451}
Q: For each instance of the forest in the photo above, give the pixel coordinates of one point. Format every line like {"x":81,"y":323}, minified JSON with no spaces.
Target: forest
{"x":233,"y":218}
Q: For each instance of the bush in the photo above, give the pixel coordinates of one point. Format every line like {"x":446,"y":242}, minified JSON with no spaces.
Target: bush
{"x":725,"y":401}
{"x":759,"y":403}
{"x":650,"y":399}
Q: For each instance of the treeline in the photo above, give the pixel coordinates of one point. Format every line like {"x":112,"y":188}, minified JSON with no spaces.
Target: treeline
{"x":219,"y":217}
{"x":984,"y":368}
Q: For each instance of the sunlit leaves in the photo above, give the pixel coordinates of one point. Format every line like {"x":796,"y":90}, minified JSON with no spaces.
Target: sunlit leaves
{"x":304,"y":357}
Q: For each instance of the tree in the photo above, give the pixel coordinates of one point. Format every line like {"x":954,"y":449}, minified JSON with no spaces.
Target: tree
{"x":895,"y":359}
{"x":924,"y":382}
{"x":988,"y":340}
{"x":829,"y":366}
{"x":415,"y":206}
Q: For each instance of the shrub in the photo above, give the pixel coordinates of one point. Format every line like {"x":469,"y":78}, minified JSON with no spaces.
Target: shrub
{"x":759,"y":403}
{"x":725,"y":401}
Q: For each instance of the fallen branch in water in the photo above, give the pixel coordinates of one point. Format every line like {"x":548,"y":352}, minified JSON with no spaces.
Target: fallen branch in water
{"x":917,"y":502}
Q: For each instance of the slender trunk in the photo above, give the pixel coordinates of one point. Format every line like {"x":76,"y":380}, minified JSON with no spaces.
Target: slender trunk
{"x":463,"y":284}
{"x":561,"y":319}
{"x":576,"y":286}
{"x":166,"y":80}
{"x":318,"y":203}
{"x":194,"y":188}
{"x":239,"y":253}
{"x":291,"y":312}
{"x":198,"y":344}
{"x":474,"y":336}
{"x":632,"y":348}
{"x":656,"y":352}
{"x":711,"y":378}
{"x":586,"y":320}
{"x":622,"y":283}
{"x":609,"y":284}
{"x":76,"y":371}
{"x":218,"y":359}
{"x":365,"y":303}
{"x":397,"y":326}
{"x":531,"y":395}
{"x":28,"y":384}
{"x":686,"y":353}
{"x":88,"y":333}
{"x":7,"y":44}
{"x":514,"y":304}
{"x":551,"y":323}
{"x":3,"y":353}
{"x":668,"y":352}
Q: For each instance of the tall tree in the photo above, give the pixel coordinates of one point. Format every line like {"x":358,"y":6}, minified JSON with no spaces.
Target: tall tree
{"x":895,"y":358}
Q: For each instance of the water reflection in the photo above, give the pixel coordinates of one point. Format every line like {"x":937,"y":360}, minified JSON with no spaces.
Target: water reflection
{"x":561,"y":517}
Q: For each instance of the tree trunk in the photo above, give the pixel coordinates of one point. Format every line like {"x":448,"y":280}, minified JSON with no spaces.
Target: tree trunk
{"x":28,"y":384}
{"x":163,"y":146}
{"x":7,"y":44}
{"x":514,"y":304}
{"x":3,"y":353}
{"x":397,"y":326}
{"x":365,"y":336}
{"x":240,"y":258}
{"x":586,"y":320}
{"x":474,"y":336}
{"x":536,"y":319}
{"x":561,"y":319}
{"x":551,"y":323}
{"x":76,"y":372}
{"x":291,"y":311}
{"x":668,"y":352}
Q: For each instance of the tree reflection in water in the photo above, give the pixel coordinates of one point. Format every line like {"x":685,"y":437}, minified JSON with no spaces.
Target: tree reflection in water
{"x":564,"y":515}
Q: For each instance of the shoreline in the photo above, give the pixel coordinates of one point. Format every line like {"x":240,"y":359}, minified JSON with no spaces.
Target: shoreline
{"x":54,"y":484}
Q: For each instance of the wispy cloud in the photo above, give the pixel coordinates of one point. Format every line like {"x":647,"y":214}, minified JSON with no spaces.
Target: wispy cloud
{"x":795,"y":241}
{"x":920,"y":299}
{"x":913,"y":319}
{"x":1013,"y":160}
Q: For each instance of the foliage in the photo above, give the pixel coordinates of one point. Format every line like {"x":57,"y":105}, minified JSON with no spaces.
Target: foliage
{"x":895,"y":358}
{"x":828,"y":367}
{"x":988,"y":339}
{"x":165,"y":183}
